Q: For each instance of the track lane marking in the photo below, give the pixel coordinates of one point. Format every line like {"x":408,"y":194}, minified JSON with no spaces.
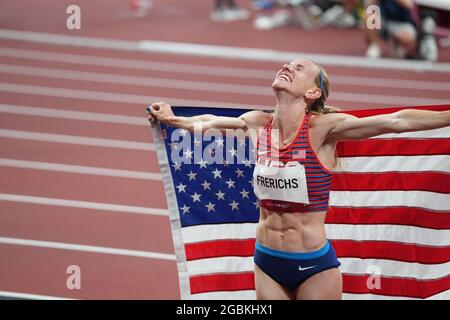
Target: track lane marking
{"x":82,"y":204}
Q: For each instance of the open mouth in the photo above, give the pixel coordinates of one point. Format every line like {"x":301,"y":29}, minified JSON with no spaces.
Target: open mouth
{"x":285,"y":77}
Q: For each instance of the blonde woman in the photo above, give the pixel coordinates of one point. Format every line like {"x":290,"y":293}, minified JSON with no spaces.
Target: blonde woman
{"x":293,"y":258}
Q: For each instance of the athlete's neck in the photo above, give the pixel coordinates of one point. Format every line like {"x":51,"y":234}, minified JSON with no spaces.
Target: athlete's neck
{"x":287,"y":118}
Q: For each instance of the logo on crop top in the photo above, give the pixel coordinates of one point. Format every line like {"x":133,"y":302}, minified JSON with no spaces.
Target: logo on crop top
{"x":278,"y":164}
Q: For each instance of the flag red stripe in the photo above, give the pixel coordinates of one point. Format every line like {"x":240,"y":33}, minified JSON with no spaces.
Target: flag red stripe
{"x":421,"y":181}
{"x":220,"y":248}
{"x":391,"y":251}
{"x":393,"y":147}
{"x":393,"y":286}
{"x":375,"y":112}
{"x":389,"y":215}
{"x":344,"y":248}
{"x":222,"y":282}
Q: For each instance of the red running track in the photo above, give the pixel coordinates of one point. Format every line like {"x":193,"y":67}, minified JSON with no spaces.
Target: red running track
{"x":59,"y":207}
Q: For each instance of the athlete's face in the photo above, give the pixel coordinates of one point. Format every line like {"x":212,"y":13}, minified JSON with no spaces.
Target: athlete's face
{"x":296,"y":77}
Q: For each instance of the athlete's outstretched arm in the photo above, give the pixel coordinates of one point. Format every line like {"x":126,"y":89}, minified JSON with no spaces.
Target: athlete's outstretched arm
{"x":162,"y":112}
{"x":348,"y":127}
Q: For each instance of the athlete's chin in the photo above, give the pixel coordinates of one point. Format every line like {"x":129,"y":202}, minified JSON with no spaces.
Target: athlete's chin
{"x":279,"y":85}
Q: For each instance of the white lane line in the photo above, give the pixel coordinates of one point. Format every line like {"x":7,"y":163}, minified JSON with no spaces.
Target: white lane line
{"x":73,"y":115}
{"x":86,"y":248}
{"x":29,"y":296}
{"x":123,"y":63}
{"x":58,"y":167}
{"x":203,"y":86}
{"x":82,"y":204}
{"x":246,"y":73}
{"x":253,"y":54}
{"x":143,"y":100}
{"x":134,"y":80}
{"x":114,"y":97}
{"x":69,"y":139}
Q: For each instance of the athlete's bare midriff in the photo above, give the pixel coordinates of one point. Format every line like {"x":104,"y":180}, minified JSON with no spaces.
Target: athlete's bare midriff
{"x":291,"y":231}
{"x":298,"y":231}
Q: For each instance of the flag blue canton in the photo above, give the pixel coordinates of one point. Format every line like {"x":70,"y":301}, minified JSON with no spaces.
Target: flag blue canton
{"x":209,"y":192}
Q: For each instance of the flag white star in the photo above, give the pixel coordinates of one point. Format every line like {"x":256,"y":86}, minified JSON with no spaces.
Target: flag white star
{"x":219,"y":142}
{"x":196,"y":197}
{"x":232,"y":152}
{"x":173,"y":145}
{"x":191,"y":175}
{"x":188,"y":154}
{"x":202,"y":163}
{"x":256,"y":203}
{"x":230,"y":183}
{"x":217,"y":173}
{"x":239,"y":172}
{"x":177,"y":166}
{"x":210,"y":206}
{"x":220,"y":195}
{"x":206,"y":185}
{"x":185,"y":209}
{"x":244,"y":194}
{"x":181,"y":187}
{"x":251,"y":182}
{"x":234,"y":205}
{"x":247,"y":163}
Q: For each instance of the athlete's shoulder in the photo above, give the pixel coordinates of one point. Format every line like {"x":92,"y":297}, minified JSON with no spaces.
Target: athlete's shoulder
{"x":257,"y":117}
{"x":332,"y":117}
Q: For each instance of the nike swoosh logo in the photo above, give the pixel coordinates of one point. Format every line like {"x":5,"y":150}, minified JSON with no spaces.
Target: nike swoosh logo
{"x":303,"y":269}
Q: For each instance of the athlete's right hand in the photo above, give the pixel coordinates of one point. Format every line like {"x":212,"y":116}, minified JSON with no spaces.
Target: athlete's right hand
{"x":159,"y":111}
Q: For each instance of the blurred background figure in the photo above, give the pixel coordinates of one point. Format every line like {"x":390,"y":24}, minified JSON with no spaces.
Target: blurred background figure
{"x":272,"y":14}
{"x":227,"y":10}
{"x":141,"y":7}
{"x":341,"y":14}
{"x":398,"y":28}
{"x":308,"y":14}
{"x":434,"y":24}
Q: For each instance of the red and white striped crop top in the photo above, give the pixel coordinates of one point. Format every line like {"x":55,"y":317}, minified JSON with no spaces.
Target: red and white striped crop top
{"x":291,"y":179}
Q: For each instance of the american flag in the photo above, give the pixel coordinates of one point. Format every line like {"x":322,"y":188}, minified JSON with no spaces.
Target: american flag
{"x":389,"y":214}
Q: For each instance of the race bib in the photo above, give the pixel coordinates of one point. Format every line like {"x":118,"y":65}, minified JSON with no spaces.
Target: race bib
{"x":281,"y":183}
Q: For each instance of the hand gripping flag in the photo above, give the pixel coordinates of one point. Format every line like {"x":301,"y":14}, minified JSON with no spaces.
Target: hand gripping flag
{"x":388,"y":219}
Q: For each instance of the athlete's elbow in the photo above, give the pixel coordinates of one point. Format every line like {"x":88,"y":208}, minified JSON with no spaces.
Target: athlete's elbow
{"x":208,"y":125}
{"x":399,"y":122}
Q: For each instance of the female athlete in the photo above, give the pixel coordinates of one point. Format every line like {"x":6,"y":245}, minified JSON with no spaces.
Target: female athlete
{"x":296,"y":147}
